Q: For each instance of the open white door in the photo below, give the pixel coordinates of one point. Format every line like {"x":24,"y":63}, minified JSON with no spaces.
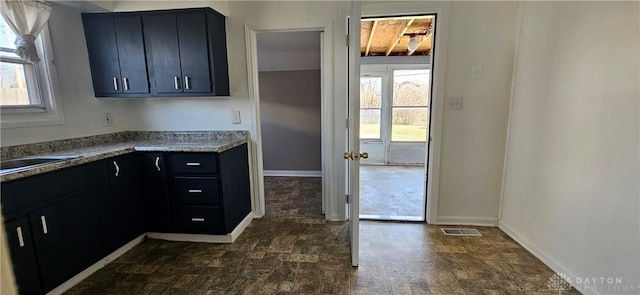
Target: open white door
{"x":352,"y":155}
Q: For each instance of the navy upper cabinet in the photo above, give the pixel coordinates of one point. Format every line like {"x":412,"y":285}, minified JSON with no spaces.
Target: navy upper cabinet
{"x":116,"y":54}
{"x":176,"y":52}
{"x":181,"y":53}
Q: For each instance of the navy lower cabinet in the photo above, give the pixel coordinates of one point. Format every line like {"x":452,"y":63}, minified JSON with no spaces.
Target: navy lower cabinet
{"x":62,"y":219}
{"x":59,"y":223}
{"x":210,"y":192}
{"x":23,"y":257}
{"x":155,"y":193}
{"x":128,"y":204}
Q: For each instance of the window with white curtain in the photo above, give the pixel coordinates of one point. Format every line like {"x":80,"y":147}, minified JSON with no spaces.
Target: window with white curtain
{"x":27,"y":90}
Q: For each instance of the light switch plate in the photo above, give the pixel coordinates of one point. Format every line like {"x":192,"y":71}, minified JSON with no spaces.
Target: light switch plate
{"x":236,"y":117}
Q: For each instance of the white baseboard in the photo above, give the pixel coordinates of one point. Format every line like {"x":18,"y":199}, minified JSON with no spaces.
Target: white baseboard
{"x":465,"y":220}
{"x":537,"y":252}
{"x":293,"y":173}
{"x":96,"y":266}
{"x":228,"y":238}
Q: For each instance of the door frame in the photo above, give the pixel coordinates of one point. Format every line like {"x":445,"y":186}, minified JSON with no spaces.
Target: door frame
{"x":438,"y":62}
{"x":326,"y":91}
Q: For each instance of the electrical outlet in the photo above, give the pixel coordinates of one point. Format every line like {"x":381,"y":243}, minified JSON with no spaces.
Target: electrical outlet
{"x":107,"y":120}
{"x":236,"y":117}
{"x":454,"y":103}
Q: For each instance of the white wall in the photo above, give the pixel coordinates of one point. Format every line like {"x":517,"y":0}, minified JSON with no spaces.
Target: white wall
{"x":82,"y":111}
{"x":479,"y":34}
{"x":571,"y":192}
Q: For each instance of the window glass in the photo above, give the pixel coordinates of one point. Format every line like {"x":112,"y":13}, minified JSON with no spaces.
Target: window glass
{"x":410,"y":106}
{"x":18,"y":81}
{"x":410,"y":88}
{"x":370,"y":104}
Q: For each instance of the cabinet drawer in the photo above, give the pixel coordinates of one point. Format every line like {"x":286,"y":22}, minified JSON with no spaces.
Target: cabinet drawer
{"x":202,"y":190}
{"x":195,"y":219}
{"x":194,"y":163}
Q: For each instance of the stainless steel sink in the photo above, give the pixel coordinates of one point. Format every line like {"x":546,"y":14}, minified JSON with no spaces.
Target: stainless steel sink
{"x":15,"y":165}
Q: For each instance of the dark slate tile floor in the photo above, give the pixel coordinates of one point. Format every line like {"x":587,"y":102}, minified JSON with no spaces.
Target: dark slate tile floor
{"x":293,"y":250}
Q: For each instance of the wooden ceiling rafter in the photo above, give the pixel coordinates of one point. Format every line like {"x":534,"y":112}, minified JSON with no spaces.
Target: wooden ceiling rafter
{"x":395,"y":42}
{"x":371,"y":34}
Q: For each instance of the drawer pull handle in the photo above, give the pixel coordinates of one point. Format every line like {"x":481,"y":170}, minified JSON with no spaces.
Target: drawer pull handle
{"x":117,"y":168}
{"x":115,"y":83}
{"x":20,"y":238}
{"x":43,"y":220}
{"x":158,"y":163}
{"x":125,"y":81}
{"x":193,"y":164}
{"x":197,"y":219}
{"x":195,"y":190}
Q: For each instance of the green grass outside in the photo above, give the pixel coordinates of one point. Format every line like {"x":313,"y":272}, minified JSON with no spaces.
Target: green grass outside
{"x":398,"y":132}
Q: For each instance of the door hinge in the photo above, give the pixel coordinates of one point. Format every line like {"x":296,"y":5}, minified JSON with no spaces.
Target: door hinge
{"x":346,"y":121}
{"x":347,"y":198}
{"x":347,"y":39}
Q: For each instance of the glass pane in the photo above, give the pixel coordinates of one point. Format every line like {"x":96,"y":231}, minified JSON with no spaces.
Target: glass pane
{"x":13,"y":84}
{"x":370,"y":92}
{"x":370,"y":124}
{"x":7,"y":37}
{"x":411,"y":88}
{"x":410,"y":124}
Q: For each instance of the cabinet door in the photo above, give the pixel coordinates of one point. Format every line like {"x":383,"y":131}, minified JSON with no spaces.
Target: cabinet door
{"x":103,"y":54}
{"x":133,"y":66}
{"x":124,"y":175}
{"x":23,"y":257}
{"x":163,"y":53}
{"x":68,"y":236}
{"x":156,"y":193}
{"x":194,"y":52}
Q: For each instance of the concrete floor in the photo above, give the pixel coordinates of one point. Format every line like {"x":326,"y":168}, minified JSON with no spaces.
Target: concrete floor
{"x":392,"y":192}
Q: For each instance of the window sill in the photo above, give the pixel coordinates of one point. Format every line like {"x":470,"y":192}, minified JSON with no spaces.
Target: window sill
{"x":18,"y":120}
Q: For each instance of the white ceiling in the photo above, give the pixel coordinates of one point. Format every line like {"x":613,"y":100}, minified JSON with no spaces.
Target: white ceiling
{"x":289,"y":41}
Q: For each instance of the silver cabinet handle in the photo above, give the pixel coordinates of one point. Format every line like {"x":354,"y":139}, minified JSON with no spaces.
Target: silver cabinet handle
{"x":187,"y":83}
{"x":176,"y":82}
{"x":195,"y":190}
{"x":193,"y":164}
{"x":125,"y":82}
{"x":158,"y":163}
{"x":43,"y":220}
{"x":117,"y":168}
{"x":197,"y":219}
{"x":20,"y":238}
{"x":115,"y":83}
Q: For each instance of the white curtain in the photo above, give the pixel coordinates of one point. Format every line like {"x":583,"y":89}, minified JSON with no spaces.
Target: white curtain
{"x":26,"y":19}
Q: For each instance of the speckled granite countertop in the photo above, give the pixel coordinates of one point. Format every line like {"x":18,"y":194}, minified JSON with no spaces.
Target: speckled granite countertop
{"x":94,"y":148}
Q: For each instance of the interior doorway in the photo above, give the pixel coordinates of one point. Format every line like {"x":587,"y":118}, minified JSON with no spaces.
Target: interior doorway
{"x":289,"y":68}
{"x":395,"y":108}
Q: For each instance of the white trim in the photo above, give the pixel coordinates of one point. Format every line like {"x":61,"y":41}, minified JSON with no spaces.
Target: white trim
{"x":468,"y":220}
{"x":47,"y":87}
{"x":96,"y":266}
{"x":538,"y":253}
{"x":255,"y":150}
{"x":441,"y":9}
{"x":328,"y":194}
{"x":226,"y":239}
{"x":293,"y":173}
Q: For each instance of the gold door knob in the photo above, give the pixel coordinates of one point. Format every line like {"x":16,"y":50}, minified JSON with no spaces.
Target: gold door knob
{"x":352,"y":156}
{"x":364,"y":155}
{"x":347,"y":155}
